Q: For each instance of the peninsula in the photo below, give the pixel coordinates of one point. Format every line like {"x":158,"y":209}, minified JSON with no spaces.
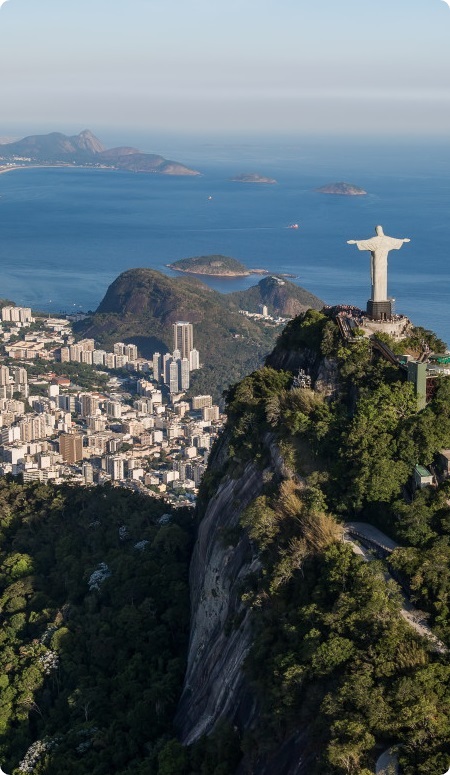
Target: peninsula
{"x":342,"y":189}
{"x":84,"y":150}
{"x":217,"y":265}
{"x":252,"y":177}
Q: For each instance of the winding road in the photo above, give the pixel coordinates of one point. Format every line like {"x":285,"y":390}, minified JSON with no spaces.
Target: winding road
{"x":366,"y":540}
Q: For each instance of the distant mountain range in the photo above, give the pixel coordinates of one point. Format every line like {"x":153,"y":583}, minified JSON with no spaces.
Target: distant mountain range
{"x":86,"y":149}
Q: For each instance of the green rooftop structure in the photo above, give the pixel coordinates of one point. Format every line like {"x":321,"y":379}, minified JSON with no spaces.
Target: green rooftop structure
{"x":417,"y":374}
{"x":422,"y":476}
{"x":442,"y":359}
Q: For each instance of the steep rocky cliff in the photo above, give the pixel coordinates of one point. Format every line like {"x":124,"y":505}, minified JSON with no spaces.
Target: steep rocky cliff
{"x":224,"y":558}
{"x":295,"y":642}
{"x":215,"y":686}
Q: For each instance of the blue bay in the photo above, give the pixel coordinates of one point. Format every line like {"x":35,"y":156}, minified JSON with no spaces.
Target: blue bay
{"x":66,"y":234}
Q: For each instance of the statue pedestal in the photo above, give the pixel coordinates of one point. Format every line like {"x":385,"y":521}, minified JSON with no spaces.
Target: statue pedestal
{"x":379,"y":310}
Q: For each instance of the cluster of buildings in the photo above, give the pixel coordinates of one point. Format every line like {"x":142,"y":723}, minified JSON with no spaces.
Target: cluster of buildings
{"x":264,"y":316}
{"x":138,"y":432}
{"x":173,"y":369}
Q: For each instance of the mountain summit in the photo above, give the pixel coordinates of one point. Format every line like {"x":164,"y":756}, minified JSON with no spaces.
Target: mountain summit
{"x":54,"y":145}
{"x":86,"y":148}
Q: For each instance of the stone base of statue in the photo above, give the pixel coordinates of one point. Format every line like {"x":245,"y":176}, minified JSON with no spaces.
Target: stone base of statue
{"x":379,"y":310}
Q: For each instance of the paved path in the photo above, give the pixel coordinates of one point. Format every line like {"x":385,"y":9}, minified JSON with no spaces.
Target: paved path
{"x":372,"y":534}
{"x":415,"y":618}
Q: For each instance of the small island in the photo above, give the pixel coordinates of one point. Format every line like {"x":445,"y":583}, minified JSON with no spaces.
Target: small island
{"x":252,"y":177}
{"x":217,"y":265}
{"x":342,"y":189}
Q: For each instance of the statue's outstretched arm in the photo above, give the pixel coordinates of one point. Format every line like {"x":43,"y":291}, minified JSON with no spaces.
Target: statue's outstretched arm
{"x":365,"y":244}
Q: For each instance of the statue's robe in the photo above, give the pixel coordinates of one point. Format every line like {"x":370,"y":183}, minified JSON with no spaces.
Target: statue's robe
{"x":379,"y":248}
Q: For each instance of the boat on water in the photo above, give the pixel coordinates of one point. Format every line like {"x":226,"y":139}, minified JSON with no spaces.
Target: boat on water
{"x":293,"y":226}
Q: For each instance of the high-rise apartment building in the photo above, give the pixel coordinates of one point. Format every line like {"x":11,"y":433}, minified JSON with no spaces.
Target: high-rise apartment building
{"x":198,"y":402}
{"x":71,"y":447}
{"x":183,"y":369}
{"x":194,"y":359}
{"x":210,"y":413}
{"x":114,"y":409}
{"x":86,"y":357}
{"x":33,"y":427}
{"x":66,"y":402}
{"x":88,"y":473}
{"x":131,"y":351}
{"x":98,"y":357}
{"x":16,"y":315}
{"x":157,"y":366}
{"x":183,"y":337}
{"x":20,"y":376}
{"x":174,"y":377}
{"x":115,"y":466}
{"x":90,"y":404}
{"x":4,"y":375}
{"x":166,"y":361}
{"x":110,"y":361}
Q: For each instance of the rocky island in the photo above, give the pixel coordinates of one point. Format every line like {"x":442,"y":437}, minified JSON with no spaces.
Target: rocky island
{"x":342,"y":189}
{"x":84,"y":150}
{"x":217,"y":265}
{"x":252,"y":177}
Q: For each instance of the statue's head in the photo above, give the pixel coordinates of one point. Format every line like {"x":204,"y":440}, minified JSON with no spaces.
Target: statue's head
{"x":379,"y":231}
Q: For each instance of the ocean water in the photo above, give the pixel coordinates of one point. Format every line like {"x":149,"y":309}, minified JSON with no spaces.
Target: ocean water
{"x":66,"y":234}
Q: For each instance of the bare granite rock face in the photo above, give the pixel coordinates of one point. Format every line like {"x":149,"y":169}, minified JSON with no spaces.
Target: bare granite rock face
{"x":293,"y":360}
{"x":327,"y":380}
{"x":323,"y":371}
{"x":215,"y":686}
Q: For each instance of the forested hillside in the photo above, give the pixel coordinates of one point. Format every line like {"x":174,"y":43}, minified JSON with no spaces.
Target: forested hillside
{"x":301,"y":655}
{"x":94,"y":627}
{"x":337,"y":671}
{"x":141,"y":305}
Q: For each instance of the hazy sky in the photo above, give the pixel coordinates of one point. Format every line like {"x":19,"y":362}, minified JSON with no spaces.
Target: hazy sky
{"x":226,"y":65}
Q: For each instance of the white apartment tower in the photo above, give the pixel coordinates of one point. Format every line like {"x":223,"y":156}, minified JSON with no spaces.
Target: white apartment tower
{"x":194,"y":360}
{"x":173,"y":377}
{"x":4,"y":375}
{"x":184,"y":373}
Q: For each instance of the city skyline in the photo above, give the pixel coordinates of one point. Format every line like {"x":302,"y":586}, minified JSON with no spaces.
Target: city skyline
{"x":204,"y":67}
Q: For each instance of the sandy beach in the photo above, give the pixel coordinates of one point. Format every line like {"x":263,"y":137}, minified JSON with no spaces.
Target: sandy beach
{"x":9,"y":168}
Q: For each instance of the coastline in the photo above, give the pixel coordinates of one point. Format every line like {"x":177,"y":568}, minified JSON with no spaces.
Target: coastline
{"x":3,"y":170}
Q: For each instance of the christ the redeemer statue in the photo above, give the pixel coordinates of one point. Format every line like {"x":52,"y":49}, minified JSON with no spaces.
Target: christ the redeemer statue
{"x":379,"y":306}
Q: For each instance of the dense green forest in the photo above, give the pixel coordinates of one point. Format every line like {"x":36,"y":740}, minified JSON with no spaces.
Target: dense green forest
{"x":331,"y":652}
{"x":94,"y":624}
